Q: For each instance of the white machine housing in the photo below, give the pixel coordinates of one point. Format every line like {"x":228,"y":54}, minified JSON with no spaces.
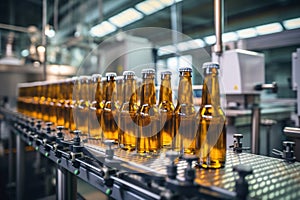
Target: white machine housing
{"x":241,"y":70}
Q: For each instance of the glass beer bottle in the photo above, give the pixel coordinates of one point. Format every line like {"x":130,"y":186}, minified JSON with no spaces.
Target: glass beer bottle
{"x":212,"y":129}
{"x":61,"y":93}
{"x":184,"y":115}
{"x":127,"y":134}
{"x":70,"y":104}
{"x":166,"y":109}
{"x":83,"y":104}
{"x":119,"y":83}
{"x":149,"y":138}
{"x":109,"y":116}
{"x":95,"y":107}
{"x":52,"y":90}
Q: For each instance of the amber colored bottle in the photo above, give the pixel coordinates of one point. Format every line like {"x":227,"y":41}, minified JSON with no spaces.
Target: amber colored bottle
{"x":52,"y":90}
{"x":212,"y":128}
{"x":96,"y":106}
{"x":61,"y":96}
{"x":127,"y":126}
{"x":83,"y":104}
{"x":39,"y":95}
{"x":147,"y":118}
{"x":69,"y":105}
{"x":120,"y":86}
{"x":166,"y":109}
{"x":45,"y":101}
{"x":184,"y":115}
{"x":109,"y":116}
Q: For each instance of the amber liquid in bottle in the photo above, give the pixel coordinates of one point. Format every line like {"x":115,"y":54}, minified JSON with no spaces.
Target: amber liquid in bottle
{"x":166,"y":109}
{"x":147,"y":118}
{"x":70,"y":104}
{"x":127,"y":126}
{"x":52,"y":101}
{"x":212,"y":129}
{"x":61,"y":96}
{"x":95,"y":107}
{"x":38,"y":100}
{"x":109,"y":116}
{"x":120,"y":93}
{"x":184,"y":115}
{"x":46,"y":103}
{"x":83,"y":104}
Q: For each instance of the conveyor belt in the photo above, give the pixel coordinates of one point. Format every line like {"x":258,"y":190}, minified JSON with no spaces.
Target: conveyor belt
{"x":271,"y":178}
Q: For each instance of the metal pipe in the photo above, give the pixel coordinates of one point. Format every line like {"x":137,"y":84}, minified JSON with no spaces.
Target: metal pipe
{"x":20,"y":167}
{"x":219,"y":24}
{"x":10,"y":157}
{"x":13,"y":28}
{"x":66,"y":184}
{"x":44,"y":38}
{"x":255,"y":129}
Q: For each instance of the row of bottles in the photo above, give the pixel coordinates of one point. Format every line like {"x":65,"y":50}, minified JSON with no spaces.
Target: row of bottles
{"x":117,"y":109}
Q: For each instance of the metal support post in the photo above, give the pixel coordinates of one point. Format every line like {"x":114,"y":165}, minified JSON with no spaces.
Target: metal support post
{"x":219,"y":24}
{"x":20,"y":167}
{"x":66,"y":184}
{"x":10,"y":158}
{"x":255,"y":132}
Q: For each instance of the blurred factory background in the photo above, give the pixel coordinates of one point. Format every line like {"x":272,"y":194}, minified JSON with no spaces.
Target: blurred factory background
{"x":53,"y":39}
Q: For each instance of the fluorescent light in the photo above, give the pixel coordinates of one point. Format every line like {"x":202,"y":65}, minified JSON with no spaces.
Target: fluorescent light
{"x":210,"y":39}
{"x":166,"y":50}
{"x":150,"y":6}
{"x":230,"y":36}
{"x":191,"y":44}
{"x":292,"y":23}
{"x":269,"y":28}
{"x":102,"y":29}
{"x":197,"y":43}
{"x":247,"y":33}
{"x":183,"y":46}
{"x":126,"y":17}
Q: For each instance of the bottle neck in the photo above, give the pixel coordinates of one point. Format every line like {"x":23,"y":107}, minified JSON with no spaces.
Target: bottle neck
{"x":129,"y":93}
{"x":98,"y":94}
{"x":165,"y":92}
{"x":148,"y":92}
{"x":185,"y":91}
{"x":84,"y":92}
{"x":211,"y":91}
{"x":110,"y":90}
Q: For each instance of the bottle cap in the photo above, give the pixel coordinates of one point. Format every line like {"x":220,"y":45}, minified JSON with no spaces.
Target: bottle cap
{"x":84,"y":79}
{"x":96,"y":78}
{"x":185,"y":69}
{"x":128,"y":74}
{"x":148,"y":71}
{"x":211,"y":65}
{"x":165,"y":73}
{"x":110,"y":74}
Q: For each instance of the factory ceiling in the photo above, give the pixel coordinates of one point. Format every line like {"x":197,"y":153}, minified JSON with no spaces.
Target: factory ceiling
{"x":74,"y":18}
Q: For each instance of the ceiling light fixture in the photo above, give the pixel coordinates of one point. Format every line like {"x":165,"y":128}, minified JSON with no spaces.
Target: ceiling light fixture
{"x":210,"y":39}
{"x":247,"y":33}
{"x":269,"y":28}
{"x":292,"y":23}
{"x":149,"y":7}
{"x":166,"y":50}
{"x":230,"y":36}
{"x":126,"y":17}
{"x":102,"y":29}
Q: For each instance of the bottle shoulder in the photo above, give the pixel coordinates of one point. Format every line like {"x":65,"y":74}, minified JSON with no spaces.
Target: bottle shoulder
{"x":166,"y":107}
{"x":185,"y":109}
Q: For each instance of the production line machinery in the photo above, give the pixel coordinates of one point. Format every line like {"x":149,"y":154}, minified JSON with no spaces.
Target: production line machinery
{"x":124,"y":175}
